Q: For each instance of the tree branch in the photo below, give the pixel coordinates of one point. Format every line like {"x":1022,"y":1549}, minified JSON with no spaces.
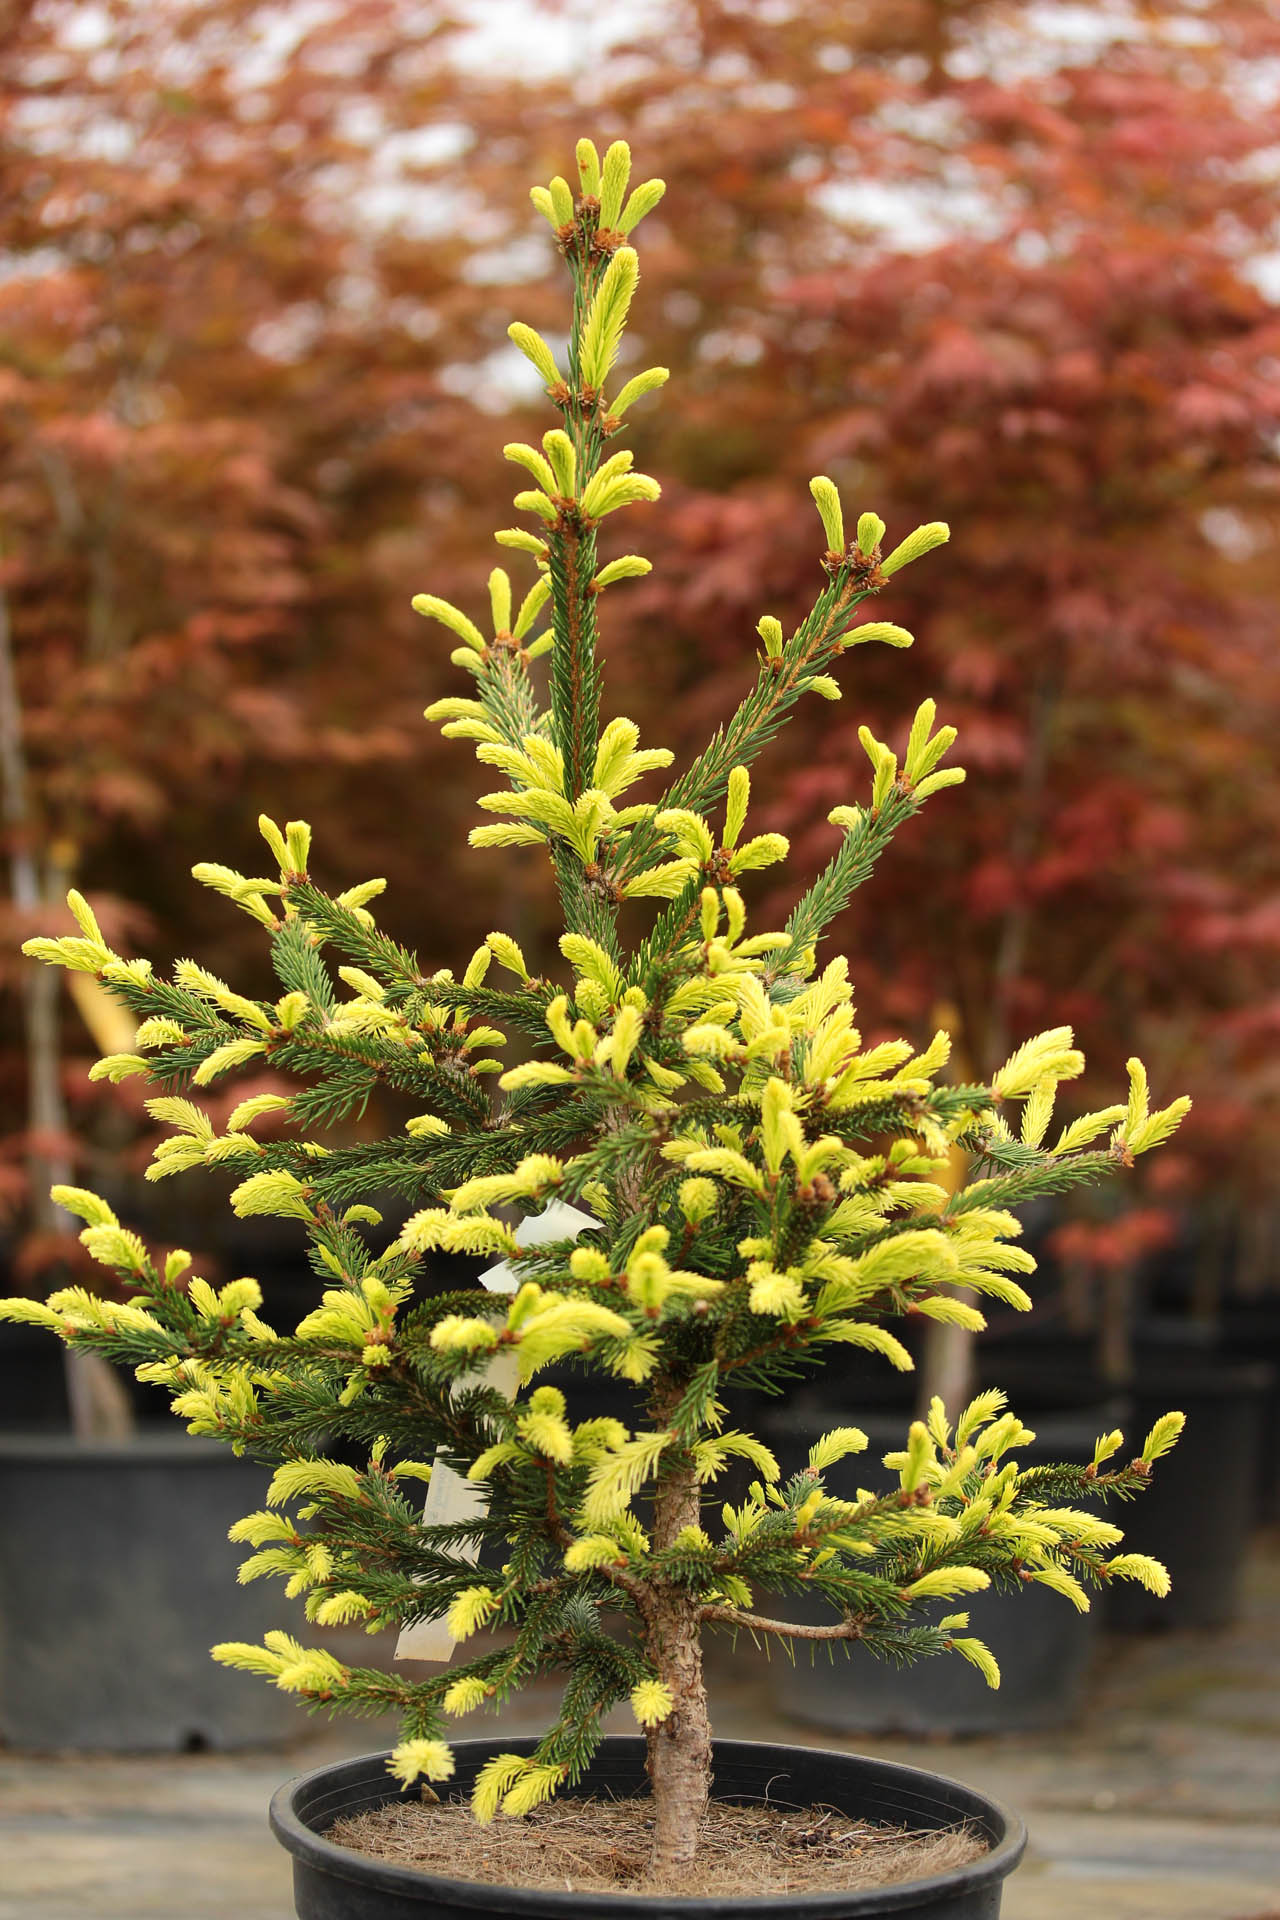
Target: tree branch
{"x":786,"y":1629}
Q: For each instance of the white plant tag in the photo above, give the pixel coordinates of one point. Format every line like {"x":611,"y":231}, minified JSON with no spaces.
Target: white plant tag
{"x":450,"y":1498}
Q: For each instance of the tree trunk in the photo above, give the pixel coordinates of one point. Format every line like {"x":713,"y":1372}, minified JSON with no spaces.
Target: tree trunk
{"x":1115,"y":1331}
{"x":946,"y":1368}
{"x":948,"y":1360}
{"x":1015,"y":931}
{"x":679,"y":1764}
{"x":98,"y":1404}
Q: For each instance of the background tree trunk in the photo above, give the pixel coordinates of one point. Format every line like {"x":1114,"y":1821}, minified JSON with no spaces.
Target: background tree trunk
{"x":97,"y":1400}
{"x":947,"y":1364}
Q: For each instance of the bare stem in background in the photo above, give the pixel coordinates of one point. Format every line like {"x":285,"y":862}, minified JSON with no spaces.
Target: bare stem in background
{"x":947,"y":1367}
{"x":1011,"y":949}
{"x":97,"y":1400}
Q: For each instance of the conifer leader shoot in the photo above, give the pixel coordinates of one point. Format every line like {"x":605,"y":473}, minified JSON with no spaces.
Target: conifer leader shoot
{"x":765,"y":1187}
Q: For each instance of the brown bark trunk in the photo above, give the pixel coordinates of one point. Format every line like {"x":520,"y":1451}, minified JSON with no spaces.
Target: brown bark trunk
{"x":1015,"y":933}
{"x":948,"y":1361}
{"x":97,"y":1400}
{"x":947,"y":1368}
{"x":679,"y":1762}
{"x":1115,"y":1333}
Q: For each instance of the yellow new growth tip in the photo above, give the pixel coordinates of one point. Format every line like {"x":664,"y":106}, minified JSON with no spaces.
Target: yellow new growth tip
{"x":544,"y":201}
{"x":882,"y":630}
{"x":652,"y":1702}
{"x":535,"y":349}
{"x":636,"y":388}
{"x":589,"y":168}
{"x":642,"y":201}
{"x":421,"y":1760}
{"x":870,"y":534}
{"x":916,"y":545}
{"x":432,"y":607}
{"x":614,"y":176}
{"x":607,"y":316}
{"x":827,"y":499}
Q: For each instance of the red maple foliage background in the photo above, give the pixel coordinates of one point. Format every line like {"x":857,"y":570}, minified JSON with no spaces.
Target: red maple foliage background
{"x":1006,"y":265}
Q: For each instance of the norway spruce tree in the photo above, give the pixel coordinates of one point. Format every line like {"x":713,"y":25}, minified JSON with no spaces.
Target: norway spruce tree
{"x":698,"y":1179}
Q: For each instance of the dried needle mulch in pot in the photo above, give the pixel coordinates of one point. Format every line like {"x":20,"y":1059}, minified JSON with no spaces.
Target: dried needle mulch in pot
{"x":602,"y":1846}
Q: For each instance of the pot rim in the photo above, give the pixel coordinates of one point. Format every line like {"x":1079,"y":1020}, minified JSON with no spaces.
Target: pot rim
{"x":344,"y":1863}
{"x":145,"y":1446}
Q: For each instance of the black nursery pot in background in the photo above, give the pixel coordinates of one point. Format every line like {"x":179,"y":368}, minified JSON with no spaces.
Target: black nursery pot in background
{"x":33,"y":1382}
{"x":1198,"y":1512}
{"x":116,"y":1577}
{"x":1250,"y":1331}
{"x":335,"y":1883}
{"x":1043,"y":1645}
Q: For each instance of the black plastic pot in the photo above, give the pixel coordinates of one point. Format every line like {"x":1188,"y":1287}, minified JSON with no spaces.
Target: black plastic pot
{"x":116,"y":1577}
{"x":1250,"y":1330}
{"x":33,"y":1382}
{"x":1198,"y":1512}
{"x":1042,"y":1644}
{"x":334,"y":1883}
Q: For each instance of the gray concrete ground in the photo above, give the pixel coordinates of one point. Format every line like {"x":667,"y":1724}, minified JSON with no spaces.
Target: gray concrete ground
{"x":1162,"y":1803}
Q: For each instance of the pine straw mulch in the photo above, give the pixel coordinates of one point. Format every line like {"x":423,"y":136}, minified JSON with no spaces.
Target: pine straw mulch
{"x":602,"y":1846}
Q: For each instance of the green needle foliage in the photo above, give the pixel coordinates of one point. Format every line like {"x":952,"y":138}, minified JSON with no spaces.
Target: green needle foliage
{"x":765,"y":1190}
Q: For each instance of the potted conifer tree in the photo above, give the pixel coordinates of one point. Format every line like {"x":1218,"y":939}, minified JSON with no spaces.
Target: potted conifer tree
{"x":698,"y":1180}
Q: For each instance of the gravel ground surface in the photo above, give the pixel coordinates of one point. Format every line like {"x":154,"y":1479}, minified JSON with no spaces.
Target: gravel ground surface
{"x":1161,"y":1803}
